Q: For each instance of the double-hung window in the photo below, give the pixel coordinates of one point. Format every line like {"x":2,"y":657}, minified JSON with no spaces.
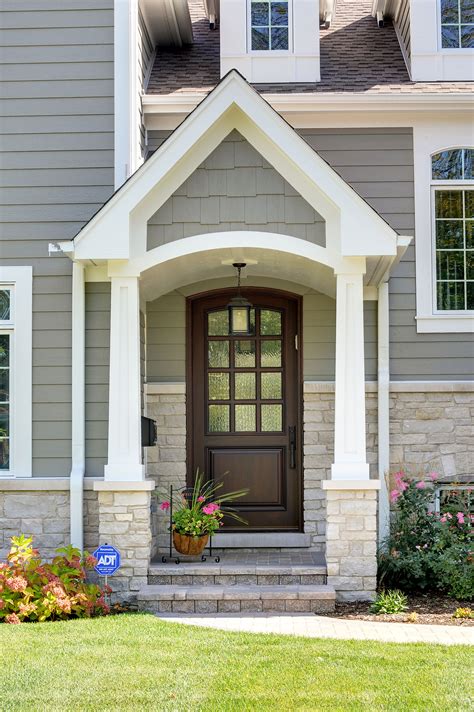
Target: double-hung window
{"x":15,"y":371}
{"x":452,"y":174}
{"x":457,"y":24}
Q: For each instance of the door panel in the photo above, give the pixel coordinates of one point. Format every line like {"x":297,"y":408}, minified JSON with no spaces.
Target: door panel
{"x":243,"y":414}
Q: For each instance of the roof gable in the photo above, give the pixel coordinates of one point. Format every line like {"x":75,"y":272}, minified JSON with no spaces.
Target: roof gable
{"x":118,"y":230}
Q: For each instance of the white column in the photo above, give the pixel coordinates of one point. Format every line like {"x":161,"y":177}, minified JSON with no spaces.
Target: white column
{"x":383,"y":408}
{"x":78,"y":406}
{"x":125,"y":452}
{"x":349,"y":430}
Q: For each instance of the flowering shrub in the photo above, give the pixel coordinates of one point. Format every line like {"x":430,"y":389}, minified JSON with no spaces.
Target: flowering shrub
{"x":32,"y":590}
{"x":199,"y":510}
{"x":427,"y":550}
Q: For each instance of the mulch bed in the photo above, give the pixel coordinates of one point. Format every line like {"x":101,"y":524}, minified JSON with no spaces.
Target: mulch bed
{"x":429,"y":609}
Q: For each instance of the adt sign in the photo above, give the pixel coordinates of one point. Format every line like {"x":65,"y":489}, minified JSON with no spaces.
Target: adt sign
{"x":108,"y":560}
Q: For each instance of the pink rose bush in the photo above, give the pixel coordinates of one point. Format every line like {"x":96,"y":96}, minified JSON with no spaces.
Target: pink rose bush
{"x":428,"y":549}
{"x":200,"y":510}
{"x":33,"y":590}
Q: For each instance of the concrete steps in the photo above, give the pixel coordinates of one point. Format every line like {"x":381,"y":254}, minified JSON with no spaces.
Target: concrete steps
{"x":236,"y":598}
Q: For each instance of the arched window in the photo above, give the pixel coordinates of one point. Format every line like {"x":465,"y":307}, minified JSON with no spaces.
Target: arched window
{"x":452,"y":176}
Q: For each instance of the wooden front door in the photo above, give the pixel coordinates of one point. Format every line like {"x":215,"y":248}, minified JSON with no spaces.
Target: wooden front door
{"x":243,"y":414}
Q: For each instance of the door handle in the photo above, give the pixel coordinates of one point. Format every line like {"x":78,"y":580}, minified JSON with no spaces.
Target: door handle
{"x":292,"y":433}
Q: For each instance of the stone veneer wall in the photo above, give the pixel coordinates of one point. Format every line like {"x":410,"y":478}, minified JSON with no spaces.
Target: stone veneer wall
{"x":166,"y":463}
{"x":318,"y":452}
{"x":433,"y":430}
{"x":351,"y":545}
{"x":32,"y":509}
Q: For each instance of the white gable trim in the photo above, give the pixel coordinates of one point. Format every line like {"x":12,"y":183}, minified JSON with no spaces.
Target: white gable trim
{"x":118,"y":231}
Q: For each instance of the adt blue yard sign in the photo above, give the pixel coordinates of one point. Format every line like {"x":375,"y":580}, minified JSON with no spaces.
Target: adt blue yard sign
{"x":108,"y":560}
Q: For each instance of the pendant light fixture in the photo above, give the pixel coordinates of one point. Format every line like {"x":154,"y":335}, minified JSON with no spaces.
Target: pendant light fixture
{"x":239,"y":309}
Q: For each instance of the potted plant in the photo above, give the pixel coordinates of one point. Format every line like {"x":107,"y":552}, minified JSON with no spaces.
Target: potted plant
{"x":198,"y":512}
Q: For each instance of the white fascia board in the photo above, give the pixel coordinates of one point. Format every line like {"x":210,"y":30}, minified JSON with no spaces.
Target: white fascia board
{"x":320,"y":102}
{"x":235,"y":105}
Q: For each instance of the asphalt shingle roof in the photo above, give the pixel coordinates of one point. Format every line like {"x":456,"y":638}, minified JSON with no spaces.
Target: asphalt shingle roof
{"x":356,"y":57}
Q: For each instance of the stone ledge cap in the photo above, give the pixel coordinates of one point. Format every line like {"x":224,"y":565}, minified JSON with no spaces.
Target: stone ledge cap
{"x":41,"y":484}
{"x":138,"y":486}
{"x":351,"y":484}
{"x":156,"y":389}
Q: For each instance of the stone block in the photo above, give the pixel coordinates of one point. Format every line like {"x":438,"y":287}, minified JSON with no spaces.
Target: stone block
{"x":229,"y":606}
{"x":131,"y":498}
{"x":205,"y":606}
{"x":358,"y":567}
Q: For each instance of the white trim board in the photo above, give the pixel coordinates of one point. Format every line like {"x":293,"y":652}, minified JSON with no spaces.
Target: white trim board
{"x":165,"y":388}
{"x":21,"y":365}
{"x":429,"y":138}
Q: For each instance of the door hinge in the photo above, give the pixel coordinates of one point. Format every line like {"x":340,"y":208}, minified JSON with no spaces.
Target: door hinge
{"x":296,"y":342}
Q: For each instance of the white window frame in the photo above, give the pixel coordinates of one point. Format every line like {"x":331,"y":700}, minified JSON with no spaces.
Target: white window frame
{"x":429,"y":138}
{"x":270,"y":52}
{"x":449,"y":50}
{"x":19,"y":280}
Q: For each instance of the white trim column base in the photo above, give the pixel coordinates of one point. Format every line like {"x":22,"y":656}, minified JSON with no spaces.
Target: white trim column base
{"x":124,"y":473}
{"x":350,"y":471}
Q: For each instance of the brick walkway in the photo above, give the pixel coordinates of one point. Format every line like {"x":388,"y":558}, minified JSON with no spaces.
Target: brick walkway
{"x":323,"y":627}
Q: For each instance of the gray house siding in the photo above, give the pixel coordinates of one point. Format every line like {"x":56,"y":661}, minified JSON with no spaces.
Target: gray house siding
{"x":57,"y":170}
{"x":97,"y":375}
{"x":402,"y":27}
{"x":144,"y":54}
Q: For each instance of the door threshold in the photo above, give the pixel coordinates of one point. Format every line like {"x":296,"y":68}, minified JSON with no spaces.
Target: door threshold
{"x":263,"y":540}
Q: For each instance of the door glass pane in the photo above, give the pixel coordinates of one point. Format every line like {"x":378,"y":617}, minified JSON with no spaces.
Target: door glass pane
{"x":244,"y":386}
{"x":245,"y":420}
{"x":218,"y":386}
{"x":218,"y":354}
{"x":218,"y":323}
{"x":272,"y":418}
{"x":244,"y":354}
{"x":270,"y":385}
{"x":270,"y":322}
{"x":4,"y":304}
{"x":219,"y":419}
{"x":271,"y":353}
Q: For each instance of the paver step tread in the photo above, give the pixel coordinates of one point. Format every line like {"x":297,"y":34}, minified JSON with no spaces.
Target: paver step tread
{"x":235,"y":592}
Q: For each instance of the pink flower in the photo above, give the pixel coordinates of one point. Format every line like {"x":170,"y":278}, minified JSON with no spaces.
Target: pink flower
{"x":433,"y":476}
{"x":201,"y":499}
{"x":165,"y":506}
{"x":394,"y":495}
{"x":210,"y":508}
{"x":12,"y":618}
{"x":460,"y":517}
{"x":443,"y":519}
{"x":421,"y":484}
{"x":16,"y":583}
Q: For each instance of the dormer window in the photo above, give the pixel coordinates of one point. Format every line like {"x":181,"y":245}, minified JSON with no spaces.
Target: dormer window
{"x":457,"y":24}
{"x":269,"y":25}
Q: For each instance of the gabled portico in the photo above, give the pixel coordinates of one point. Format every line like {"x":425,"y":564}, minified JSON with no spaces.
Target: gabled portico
{"x":355,"y":259}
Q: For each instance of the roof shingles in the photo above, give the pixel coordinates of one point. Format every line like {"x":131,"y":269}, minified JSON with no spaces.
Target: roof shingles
{"x":356,"y":57}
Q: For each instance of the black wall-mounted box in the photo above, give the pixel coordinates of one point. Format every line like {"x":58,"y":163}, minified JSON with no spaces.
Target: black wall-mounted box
{"x":148,"y":432}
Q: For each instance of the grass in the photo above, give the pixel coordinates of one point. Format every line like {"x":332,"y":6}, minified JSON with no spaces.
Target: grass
{"x":137,"y":662}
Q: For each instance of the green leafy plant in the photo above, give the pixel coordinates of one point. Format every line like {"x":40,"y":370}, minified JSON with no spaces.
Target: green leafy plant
{"x":393,"y":601}
{"x":465,"y":613}
{"x":427,"y":550}
{"x":34,"y":590}
{"x":199,"y":510}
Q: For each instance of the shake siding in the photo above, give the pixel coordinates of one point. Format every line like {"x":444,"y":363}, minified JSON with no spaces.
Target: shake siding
{"x":97,"y":375}
{"x":57,"y":170}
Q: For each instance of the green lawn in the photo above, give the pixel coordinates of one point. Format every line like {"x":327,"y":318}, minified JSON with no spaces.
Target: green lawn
{"x":137,"y":662}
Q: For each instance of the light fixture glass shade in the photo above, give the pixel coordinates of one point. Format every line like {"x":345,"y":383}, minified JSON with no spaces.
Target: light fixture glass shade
{"x":239,"y":316}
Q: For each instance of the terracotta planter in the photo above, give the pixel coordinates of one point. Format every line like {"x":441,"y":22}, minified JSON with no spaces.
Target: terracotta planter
{"x":191,"y":545}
